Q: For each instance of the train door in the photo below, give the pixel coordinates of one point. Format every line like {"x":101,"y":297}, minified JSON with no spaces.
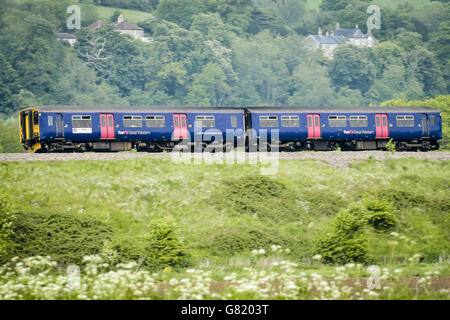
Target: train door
{"x":180,"y":126}
{"x":107,"y":126}
{"x":59,"y":126}
{"x":381,"y":125}
{"x":425,"y":126}
{"x":313,"y":126}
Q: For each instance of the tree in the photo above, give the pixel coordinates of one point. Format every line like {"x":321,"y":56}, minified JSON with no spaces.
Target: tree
{"x":311,"y":86}
{"x":209,"y":87}
{"x":9,"y":86}
{"x":351,"y":68}
{"x":182,"y":12}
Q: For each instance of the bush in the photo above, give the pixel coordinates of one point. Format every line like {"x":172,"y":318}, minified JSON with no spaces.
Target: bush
{"x":229,"y":241}
{"x":6,"y":221}
{"x":9,"y":137}
{"x":65,"y":237}
{"x":258,"y":196}
{"x":344,"y":240}
{"x":158,"y":249}
{"x":380,"y":214}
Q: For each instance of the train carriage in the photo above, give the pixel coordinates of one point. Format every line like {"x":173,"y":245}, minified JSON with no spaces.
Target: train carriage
{"x":350,"y":128}
{"x":109,"y":128}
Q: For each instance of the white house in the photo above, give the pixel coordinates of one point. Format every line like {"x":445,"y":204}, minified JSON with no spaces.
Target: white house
{"x":69,"y":37}
{"x":330,"y":41}
{"x":124,"y":27}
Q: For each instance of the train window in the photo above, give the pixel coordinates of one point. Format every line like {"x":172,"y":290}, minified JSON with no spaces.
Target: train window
{"x":155,"y":121}
{"x":432,"y":120}
{"x":290,"y":121}
{"x":50,"y":121}
{"x":81,"y":122}
{"x":358,"y":121}
{"x":36,"y":118}
{"x":132,"y":121}
{"x":233,"y":121}
{"x":337,"y":121}
{"x":268,"y":121}
{"x":309,"y":121}
{"x":405,"y":121}
{"x":205,"y":121}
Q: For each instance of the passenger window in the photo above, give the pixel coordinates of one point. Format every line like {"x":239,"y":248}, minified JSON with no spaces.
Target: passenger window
{"x":337,"y":121}
{"x":155,"y":121}
{"x":50,"y":121}
{"x":233,"y":121}
{"x":268,"y":121}
{"x":205,"y":121}
{"x":290,"y":121}
{"x":405,"y":121}
{"x":132,"y":121}
{"x":358,"y":121}
{"x":81,"y":122}
{"x":432,"y":120}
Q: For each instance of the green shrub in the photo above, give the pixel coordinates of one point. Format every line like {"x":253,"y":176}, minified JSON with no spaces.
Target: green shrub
{"x":228,"y":241}
{"x":343,"y":241}
{"x":66,"y":237}
{"x":9,"y":137}
{"x":160,"y":248}
{"x":258,"y":196}
{"x":6,"y":222}
{"x":380,"y":214}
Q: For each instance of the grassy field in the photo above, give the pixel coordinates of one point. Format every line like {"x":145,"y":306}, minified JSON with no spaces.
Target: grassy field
{"x":170,"y":218}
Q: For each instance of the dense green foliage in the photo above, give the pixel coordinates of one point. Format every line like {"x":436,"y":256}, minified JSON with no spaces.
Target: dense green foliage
{"x":219,"y":52}
{"x":7,"y":218}
{"x":65,"y":237}
{"x":161,"y":214}
{"x":9,"y":136}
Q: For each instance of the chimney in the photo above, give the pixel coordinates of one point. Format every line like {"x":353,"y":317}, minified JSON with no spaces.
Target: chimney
{"x":327,"y":33}
{"x":120,"y":18}
{"x":356,"y":27}
{"x":319,"y":32}
{"x":337,"y":25}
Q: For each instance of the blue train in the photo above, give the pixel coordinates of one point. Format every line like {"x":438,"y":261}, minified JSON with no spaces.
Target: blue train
{"x":157,"y":128}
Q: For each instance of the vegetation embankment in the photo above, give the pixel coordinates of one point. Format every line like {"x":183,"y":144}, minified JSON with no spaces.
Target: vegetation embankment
{"x":170,"y":217}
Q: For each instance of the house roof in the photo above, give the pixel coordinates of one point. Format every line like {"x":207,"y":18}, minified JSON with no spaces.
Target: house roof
{"x":124,"y":25}
{"x":95,"y":24}
{"x":349,"y":33}
{"x":66,"y":36}
{"x":329,"y":39}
